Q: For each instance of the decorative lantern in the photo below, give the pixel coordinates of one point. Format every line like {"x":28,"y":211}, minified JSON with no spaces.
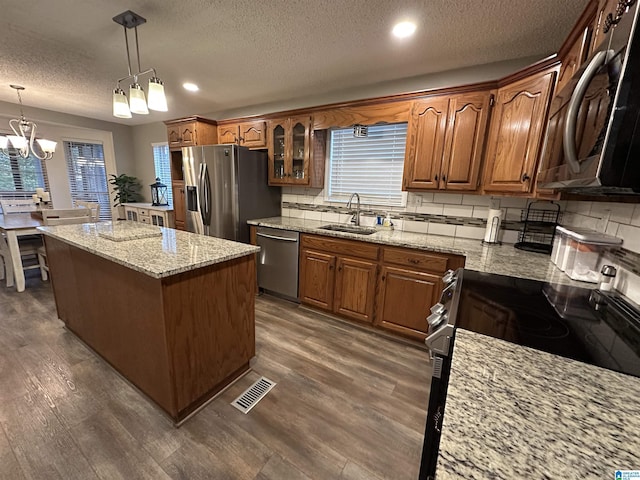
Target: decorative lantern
{"x":159,"y":194}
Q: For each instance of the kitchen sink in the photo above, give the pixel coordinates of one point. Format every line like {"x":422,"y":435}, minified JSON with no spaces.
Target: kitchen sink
{"x":338,"y":227}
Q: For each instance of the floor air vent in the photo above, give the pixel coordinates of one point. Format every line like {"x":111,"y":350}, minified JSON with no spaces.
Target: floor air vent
{"x":253,"y":394}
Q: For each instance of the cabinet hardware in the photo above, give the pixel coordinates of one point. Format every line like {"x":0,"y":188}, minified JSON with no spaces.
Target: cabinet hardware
{"x":436,"y":178}
{"x":384,"y":277}
{"x":414,"y":261}
{"x":525,"y":177}
{"x":444,"y":178}
{"x":330,"y":267}
{"x":340,"y":268}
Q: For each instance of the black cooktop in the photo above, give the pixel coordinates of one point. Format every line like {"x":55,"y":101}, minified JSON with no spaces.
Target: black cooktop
{"x":580,"y":323}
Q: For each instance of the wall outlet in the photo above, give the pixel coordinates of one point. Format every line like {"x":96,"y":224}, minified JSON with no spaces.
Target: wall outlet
{"x":414,"y":200}
{"x":603,"y":221}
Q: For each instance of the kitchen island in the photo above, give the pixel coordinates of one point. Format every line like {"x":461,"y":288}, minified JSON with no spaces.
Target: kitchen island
{"x":172,"y":311}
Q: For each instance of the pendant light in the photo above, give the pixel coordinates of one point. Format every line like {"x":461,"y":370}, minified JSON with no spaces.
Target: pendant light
{"x":137,"y":102}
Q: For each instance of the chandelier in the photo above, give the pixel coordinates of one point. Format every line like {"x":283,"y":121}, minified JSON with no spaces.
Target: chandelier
{"x":137,"y":102}
{"x":25,"y":134}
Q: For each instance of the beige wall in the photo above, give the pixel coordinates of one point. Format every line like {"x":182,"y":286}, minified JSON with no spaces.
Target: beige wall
{"x":143,"y":137}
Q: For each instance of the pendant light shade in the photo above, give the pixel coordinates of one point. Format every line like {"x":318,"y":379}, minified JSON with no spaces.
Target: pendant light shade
{"x":120,"y":104}
{"x":47,"y":146}
{"x":157,"y":100}
{"x":18,"y":141}
{"x":138,"y":100}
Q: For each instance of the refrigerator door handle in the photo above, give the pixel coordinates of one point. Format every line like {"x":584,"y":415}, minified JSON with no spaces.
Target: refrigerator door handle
{"x":204,"y":194}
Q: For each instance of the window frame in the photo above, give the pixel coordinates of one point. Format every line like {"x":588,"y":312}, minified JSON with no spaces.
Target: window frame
{"x":367,"y":199}
{"x":155,"y":145}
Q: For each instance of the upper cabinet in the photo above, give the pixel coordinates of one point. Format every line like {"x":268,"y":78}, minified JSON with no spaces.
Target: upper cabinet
{"x":191,"y":131}
{"x":445,"y":139}
{"x":248,"y":134}
{"x":605,"y":8}
{"x":515,"y":134}
{"x":289,"y":145}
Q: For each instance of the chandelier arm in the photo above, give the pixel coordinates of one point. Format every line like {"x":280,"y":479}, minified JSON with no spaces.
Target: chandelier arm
{"x":11,"y":122}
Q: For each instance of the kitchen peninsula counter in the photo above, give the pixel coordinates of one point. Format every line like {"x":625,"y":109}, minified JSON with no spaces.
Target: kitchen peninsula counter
{"x":172,"y":311}
{"x":515,"y":412}
{"x":498,"y":259}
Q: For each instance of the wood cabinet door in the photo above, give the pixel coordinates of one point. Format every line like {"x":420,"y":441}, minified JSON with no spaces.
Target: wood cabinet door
{"x":179,"y":205}
{"x":571,"y":61}
{"x":173,"y":137}
{"x":404,"y":299}
{"x":278,"y":167}
{"x":355,"y":289}
{"x":228,"y":133}
{"x":298,"y":149}
{"x":317,"y":275}
{"x":253,"y":134}
{"x":464,"y":141}
{"x":515,"y":134}
{"x":425,"y":143}
{"x":188,"y":134}
{"x":605,"y":7}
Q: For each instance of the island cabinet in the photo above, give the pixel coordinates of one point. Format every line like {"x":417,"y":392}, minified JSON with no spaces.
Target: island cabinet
{"x":179,"y":338}
{"x":339,"y":276}
{"x":410,"y":284}
{"x":252,"y":135}
{"x":515,"y":134}
{"x":445,"y":140}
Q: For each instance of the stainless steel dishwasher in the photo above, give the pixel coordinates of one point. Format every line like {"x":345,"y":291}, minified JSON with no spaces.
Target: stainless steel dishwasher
{"x":278,"y":261}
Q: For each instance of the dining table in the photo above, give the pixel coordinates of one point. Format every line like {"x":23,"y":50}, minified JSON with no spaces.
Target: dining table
{"x":13,"y":226}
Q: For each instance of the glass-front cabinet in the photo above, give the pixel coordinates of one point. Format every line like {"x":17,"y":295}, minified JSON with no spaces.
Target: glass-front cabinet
{"x":289,"y":150}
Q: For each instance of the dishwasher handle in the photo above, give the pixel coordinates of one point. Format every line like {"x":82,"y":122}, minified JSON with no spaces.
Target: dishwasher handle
{"x":274,"y":237}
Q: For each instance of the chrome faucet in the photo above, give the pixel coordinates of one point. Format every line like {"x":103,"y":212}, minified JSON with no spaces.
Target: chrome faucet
{"x":357,"y":215}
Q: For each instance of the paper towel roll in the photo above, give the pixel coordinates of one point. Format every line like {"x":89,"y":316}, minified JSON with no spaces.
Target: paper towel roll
{"x":493,"y":226}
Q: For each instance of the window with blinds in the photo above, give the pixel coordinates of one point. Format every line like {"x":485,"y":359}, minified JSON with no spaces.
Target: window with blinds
{"x":370,"y":166}
{"x":88,"y":175}
{"x":161,"y":161}
{"x":19,"y":177}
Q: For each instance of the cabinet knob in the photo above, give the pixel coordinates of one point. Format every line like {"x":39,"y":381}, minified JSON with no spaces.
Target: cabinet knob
{"x":444,"y":178}
{"x":384,"y":277}
{"x":525,"y":177}
{"x":340,"y":268}
{"x":436,"y":178}
{"x":330,"y":267}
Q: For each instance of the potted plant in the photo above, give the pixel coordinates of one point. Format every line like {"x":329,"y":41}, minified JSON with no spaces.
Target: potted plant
{"x":127,"y":189}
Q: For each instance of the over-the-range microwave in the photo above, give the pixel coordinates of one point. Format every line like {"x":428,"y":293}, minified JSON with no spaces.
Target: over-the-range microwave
{"x":592,"y":144}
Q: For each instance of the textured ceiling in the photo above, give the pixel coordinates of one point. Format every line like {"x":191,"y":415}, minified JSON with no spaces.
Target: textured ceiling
{"x":69,"y":53}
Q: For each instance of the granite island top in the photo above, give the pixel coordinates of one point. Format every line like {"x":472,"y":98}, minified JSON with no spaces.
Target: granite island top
{"x":499,"y":259}
{"x":515,"y":412}
{"x":155,"y":251}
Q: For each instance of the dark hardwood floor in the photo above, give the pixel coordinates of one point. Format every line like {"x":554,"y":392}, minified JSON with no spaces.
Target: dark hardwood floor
{"x":348,"y":404}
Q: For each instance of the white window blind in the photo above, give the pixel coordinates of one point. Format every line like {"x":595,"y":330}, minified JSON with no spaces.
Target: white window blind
{"x":162,"y":163}
{"x":88,"y":175}
{"x":19,"y":177}
{"x":371,"y":166}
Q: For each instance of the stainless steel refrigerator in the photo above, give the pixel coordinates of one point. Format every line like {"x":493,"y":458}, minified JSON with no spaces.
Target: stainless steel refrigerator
{"x":226,"y":185}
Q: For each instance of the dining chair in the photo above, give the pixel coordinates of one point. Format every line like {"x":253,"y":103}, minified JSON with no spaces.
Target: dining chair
{"x":93,"y":206}
{"x":54,"y":217}
{"x":28,"y":245}
{"x":17,"y":205}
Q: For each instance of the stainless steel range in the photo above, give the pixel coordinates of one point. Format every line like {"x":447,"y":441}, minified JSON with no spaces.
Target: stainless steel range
{"x":587,"y":325}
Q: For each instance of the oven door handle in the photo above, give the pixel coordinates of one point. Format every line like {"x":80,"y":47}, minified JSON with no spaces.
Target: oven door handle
{"x":569,"y":140}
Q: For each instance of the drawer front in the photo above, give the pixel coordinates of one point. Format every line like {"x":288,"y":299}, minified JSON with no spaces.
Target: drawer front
{"x":143,"y":211}
{"x":144,"y":219}
{"x":416,"y":259}
{"x":342,"y":247}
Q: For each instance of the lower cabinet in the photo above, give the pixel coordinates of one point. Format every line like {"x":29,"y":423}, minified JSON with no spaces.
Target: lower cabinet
{"x":149,"y":214}
{"x":388,"y":287}
{"x":179,"y":205}
{"x":337,"y":280}
{"x":404,"y":299}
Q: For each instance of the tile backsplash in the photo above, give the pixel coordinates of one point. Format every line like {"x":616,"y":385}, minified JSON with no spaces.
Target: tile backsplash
{"x":455,"y":215}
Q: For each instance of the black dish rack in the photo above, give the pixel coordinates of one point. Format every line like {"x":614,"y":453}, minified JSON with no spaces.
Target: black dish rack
{"x":539,"y":227}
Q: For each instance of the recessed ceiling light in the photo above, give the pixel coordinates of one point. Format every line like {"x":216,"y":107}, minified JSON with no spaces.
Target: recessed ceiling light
{"x":404,"y":29}
{"x":192,"y":87}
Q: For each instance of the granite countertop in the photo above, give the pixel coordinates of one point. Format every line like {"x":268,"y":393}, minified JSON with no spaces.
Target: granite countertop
{"x":155,"y":251}
{"x":499,"y":259}
{"x":515,"y":412}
